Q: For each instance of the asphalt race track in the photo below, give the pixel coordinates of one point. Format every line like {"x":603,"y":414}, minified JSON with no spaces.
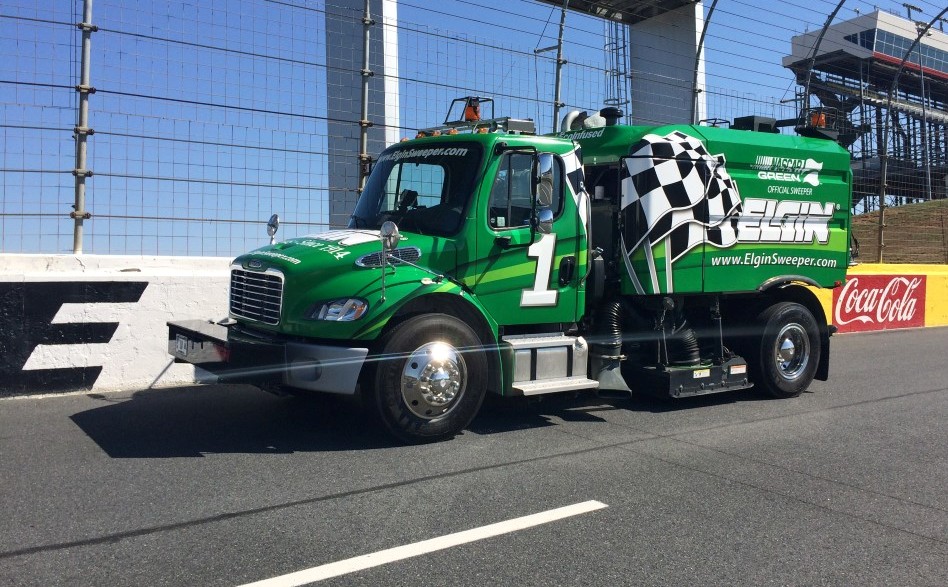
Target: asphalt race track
{"x":221,"y":485}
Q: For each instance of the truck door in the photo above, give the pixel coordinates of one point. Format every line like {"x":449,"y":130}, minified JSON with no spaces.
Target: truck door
{"x":519,"y":281}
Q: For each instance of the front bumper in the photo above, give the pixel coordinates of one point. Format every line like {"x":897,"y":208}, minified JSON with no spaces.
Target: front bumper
{"x":240,"y":356}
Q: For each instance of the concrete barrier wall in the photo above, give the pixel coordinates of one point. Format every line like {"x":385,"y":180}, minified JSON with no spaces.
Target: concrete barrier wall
{"x":882,"y":297}
{"x":91,"y":322}
{"x":97,"y":323}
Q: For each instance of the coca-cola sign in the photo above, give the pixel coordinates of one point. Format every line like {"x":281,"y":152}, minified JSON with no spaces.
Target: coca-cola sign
{"x":879,"y":302}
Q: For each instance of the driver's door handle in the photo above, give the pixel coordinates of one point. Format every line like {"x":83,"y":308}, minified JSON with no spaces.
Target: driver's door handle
{"x":567,"y":269}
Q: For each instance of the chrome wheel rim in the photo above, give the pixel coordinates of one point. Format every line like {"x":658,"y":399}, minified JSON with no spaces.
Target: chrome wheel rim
{"x":433,"y":380}
{"x":791,"y":351}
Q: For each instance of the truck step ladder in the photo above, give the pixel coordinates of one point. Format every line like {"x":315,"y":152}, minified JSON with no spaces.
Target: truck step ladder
{"x":549,"y":363}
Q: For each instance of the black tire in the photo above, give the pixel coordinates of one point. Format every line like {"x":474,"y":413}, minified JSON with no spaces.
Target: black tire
{"x":431,"y":378}
{"x":787,"y":353}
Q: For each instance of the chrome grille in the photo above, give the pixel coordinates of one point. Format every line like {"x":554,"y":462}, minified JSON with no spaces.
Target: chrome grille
{"x":410,"y":254}
{"x":256,"y":296}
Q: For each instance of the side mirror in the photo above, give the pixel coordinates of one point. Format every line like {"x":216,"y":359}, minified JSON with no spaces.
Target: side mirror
{"x":544,"y":221}
{"x":272,"y":226}
{"x":543,"y":180}
{"x":390,"y":235}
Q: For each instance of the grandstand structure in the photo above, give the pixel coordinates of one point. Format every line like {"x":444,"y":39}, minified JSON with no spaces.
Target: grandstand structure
{"x":851,"y":85}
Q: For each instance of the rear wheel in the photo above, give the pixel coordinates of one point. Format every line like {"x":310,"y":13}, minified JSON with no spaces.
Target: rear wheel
{"x":431,"y":378}
{"x":788,"y":351}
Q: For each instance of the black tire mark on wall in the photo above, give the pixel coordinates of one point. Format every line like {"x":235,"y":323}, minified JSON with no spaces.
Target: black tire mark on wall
{"x":26,"y":314}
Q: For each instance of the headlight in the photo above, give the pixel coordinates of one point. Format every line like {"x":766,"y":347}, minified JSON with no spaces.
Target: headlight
{"x":341,"y":310}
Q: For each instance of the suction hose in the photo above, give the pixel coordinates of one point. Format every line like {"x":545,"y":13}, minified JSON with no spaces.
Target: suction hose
{"x":607,"y":351}
{"x":683,"y":348}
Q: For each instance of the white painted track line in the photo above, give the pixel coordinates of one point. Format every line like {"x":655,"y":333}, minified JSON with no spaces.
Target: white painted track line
{"x":375,"y":559}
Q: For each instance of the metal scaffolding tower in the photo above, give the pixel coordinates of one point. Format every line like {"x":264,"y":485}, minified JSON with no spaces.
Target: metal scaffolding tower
{"x":850,"y":101}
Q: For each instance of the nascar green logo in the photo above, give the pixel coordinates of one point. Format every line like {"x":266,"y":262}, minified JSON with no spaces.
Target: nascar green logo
{"x":788,"y":169}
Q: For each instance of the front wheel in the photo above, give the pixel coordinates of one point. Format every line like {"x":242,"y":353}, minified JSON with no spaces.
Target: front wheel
{"x":431,"y":378}
{"x":788,"y":351}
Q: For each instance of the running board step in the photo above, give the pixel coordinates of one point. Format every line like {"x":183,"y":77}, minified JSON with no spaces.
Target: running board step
{"x":553,"y":385}
{"x":548,"y":363}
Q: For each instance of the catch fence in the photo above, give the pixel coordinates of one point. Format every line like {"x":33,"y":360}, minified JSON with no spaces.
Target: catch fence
{"x":204,"y":118}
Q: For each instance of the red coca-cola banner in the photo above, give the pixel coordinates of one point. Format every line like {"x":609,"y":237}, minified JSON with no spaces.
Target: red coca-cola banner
{"x":879,"y":302}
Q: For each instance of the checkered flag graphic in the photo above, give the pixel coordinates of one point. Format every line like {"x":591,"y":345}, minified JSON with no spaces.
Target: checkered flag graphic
{"x":572,"y":162}
{"x":574,"y":169}
{"x":665,"y":175}
{"x":724,"y":207}
{"x":676,"y":190}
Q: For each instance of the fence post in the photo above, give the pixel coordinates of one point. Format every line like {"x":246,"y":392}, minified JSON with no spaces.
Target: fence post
{"x":694,"y":80}
{"x":944,"y":234}
{"x":82,"y":129}
{"x":882,"y":187}
{"x":560,"y":62}
{"x":364,"y":123}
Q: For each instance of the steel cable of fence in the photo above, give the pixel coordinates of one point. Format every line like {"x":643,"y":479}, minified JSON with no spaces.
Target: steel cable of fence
{"x":208,"y":118}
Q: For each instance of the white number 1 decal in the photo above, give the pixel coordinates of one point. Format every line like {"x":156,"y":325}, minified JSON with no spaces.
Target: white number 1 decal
{"x":541,"y":295}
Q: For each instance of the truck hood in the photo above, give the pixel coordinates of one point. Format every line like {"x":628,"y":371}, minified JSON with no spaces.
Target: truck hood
{"x":341,"y":264}
{"x":326,"y":254}
{"x":323,"y":253}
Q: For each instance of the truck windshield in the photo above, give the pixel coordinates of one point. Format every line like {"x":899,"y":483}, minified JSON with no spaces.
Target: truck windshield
{"x":423,"y":190}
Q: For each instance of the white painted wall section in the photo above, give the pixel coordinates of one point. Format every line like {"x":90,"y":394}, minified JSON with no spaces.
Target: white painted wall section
{"x":136,"y":357}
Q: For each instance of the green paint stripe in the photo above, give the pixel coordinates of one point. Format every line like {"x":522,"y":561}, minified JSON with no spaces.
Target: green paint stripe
{"x":518,"y":270}
{"x":372,"y":330}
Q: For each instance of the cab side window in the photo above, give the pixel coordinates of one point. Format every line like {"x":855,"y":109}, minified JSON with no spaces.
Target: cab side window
{"x":510,"y":196}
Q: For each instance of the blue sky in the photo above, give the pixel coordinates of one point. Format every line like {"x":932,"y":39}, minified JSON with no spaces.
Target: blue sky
{"x":211,"y":113}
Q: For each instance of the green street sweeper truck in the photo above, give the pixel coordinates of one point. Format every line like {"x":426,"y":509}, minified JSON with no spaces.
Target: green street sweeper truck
{"x":482,"y":258}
